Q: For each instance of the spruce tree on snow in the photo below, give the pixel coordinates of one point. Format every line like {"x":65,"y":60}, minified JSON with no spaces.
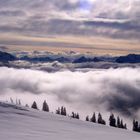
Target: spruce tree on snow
{"x":87,"y":118}
{"x":125,"y":126}
{"x":34,"y":105}
{"x":77,"y":116}
{"x":58,"y":111}
{"x":45,"y":106}
{"x":73,"y":115}
{"x":112,"y":120}
{"x":93,"y":118}
{"x":118,"y":122}
{"x":122,"y":126}
{"x":136,"y":126}
{"x":100,"y":119}
{"x":63,"y":111}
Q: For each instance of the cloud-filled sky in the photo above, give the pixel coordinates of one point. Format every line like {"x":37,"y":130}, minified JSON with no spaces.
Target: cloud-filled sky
{"x":71,"y":17}
{"x":114,"y":19}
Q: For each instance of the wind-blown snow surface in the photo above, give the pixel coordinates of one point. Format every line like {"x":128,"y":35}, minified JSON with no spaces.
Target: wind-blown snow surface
{"x":20,"y":123}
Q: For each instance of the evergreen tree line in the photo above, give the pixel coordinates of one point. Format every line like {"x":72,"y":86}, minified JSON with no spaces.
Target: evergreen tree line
{"x":45,"y":106}
{"x":113,"y":121}
{"x":93,"y":119}
{"x":61,"y":111}
{"x":75,"y":115}
{"x":116,"y":122}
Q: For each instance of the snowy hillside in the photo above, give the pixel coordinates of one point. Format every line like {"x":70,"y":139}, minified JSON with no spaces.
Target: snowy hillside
{"x":19,"y":123}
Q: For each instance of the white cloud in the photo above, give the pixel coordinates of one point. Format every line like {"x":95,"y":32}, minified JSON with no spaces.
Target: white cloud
{"x":114,"y":90}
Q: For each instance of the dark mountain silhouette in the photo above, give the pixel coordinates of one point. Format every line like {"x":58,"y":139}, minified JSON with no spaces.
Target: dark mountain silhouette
{"x":5,"y":57}
{"x":44,"y":59}
{"x":131,"y":58}
{"x":62,"y":59}
{"x":84,"y":59}
{"x":37,"y":59}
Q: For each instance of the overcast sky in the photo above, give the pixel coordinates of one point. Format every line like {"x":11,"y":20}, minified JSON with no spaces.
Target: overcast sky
{"x":115,"y":19}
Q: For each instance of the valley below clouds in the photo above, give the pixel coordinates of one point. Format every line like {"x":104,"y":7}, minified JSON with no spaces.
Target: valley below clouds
{"x":104,"y":90}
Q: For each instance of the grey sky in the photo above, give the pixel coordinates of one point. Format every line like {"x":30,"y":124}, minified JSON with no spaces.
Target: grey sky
{"x":115,"y":19}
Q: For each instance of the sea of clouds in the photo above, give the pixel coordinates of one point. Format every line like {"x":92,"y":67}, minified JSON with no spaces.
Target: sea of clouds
{"x":110,"y":90}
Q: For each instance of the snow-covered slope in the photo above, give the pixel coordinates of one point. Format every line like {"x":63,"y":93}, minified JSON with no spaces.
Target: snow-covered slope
{"x":19,"y":123}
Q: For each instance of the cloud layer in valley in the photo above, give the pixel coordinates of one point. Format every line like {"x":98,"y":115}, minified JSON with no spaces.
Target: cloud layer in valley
{"x":112,"y":90}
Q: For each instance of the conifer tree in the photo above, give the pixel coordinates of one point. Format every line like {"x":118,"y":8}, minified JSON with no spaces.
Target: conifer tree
{"x":77,"y":116}
{"x":73,"y":115}
{"x":64,"y":112}
{"x":87,"y":118}
{"x":112,"y":120}
{"x":99,"y":118}
{"x":58,"y":111}
{"x":122,"y":126}
{"x":45,"y":106}
{"x":136,"y":126}
{"x":34,"y":105}
{"x":118,"y":122}
{"x":93,"y":118}
{"x":125,"y":126}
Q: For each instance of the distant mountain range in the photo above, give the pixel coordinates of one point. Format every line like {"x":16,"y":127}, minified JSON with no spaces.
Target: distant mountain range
{"x":131,"y":58}
{"x":84,"y":59}
{"x":45,"y":59}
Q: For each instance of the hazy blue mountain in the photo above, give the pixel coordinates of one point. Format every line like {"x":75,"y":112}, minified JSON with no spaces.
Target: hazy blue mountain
{"x":37,"y":59}
{"x":84,"y":59}
{"x":131,"y":58}
{"x":4,"y":57}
